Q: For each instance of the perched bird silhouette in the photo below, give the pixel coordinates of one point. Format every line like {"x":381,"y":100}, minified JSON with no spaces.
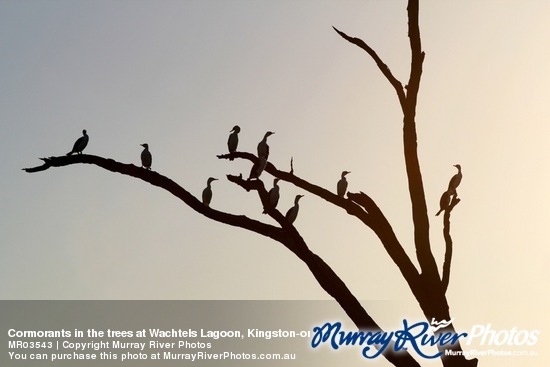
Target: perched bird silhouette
{"x":342,"y":185}
{"x":273,"y":195}
{"x":207,"y":192}
{"x":146,"y":157}
{"x":263,"y":148}
{"x":444,"y":202}
{"x":233,"y":140}
{"x":455,"y":181}
{"x":80,"y":143}
{"x":258,"y":168}
{"x":292,"y":213}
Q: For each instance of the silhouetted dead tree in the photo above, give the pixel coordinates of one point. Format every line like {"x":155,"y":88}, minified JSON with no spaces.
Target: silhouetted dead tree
{"x":426,"y":284}
{"x":428,"y":287}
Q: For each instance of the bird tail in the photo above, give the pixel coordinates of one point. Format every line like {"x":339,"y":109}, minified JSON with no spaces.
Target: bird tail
{"x":71,"y":152}
{"x":439,"y":212}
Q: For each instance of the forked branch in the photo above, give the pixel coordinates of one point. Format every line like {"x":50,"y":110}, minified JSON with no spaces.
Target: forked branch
{"x":287,"y":235}
{"x":408,"y":103}
{"x":156,"y":179}
{"x":360,"y":206}
{"x":381,"y":65}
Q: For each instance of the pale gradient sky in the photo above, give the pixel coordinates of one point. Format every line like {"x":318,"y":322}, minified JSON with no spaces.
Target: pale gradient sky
{"x":179,"y":74}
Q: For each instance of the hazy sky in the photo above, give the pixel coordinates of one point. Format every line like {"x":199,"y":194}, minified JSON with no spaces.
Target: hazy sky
{"x":180,"y":74}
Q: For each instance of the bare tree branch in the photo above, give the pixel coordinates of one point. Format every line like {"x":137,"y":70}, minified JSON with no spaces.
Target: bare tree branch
{"x":329,"y":196}
{"x":323,"y":273}
{"x":389,"y":240}
{"x":371,"y":216}
{"x":381,"y":65}
{"x":287,"y":235}
{"x":156,"y":179}
{"x":408,"y":105}
{"x":334,"y":286}
{"x":417,"y":55}
{"x":258,"y":185}
{"x":448,"y":243}
{"x":47,"y":164}
{"x":414,"y":176}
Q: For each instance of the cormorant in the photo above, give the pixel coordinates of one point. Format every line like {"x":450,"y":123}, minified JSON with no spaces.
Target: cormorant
{"x":455,"y":180}
{"x":273,"y":195}
{"x":342,"y":185}
{"x":146,"y":158}
{"x":258,"y":168}
{"x":263,"y":148}
{"x":444,"y":202}
{"x":292,"y":213}
{"x":233,"y":140}
{"x":80,"y":144}
{"x":207,"y":192}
